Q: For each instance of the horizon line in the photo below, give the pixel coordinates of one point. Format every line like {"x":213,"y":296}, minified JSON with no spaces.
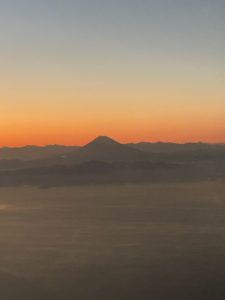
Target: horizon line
{"x":126,"y":143}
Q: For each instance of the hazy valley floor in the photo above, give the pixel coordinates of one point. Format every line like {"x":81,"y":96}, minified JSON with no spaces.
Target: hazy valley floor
{"x":125,"y":242}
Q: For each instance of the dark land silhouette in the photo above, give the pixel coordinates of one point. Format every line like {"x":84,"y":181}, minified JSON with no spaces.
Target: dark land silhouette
{"x":105,"y":161}
{"x":111,"y":221}
{"x":34,"y":152}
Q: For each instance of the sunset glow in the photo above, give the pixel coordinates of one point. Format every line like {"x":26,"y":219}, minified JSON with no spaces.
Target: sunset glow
{"x":145,"y":71}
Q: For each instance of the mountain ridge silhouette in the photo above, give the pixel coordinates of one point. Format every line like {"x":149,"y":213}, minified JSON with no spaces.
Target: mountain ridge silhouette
{"x":103,"y":148}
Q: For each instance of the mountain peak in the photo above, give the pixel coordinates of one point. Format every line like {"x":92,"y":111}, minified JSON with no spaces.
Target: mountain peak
{"x":103,"y":140}
{"x":103,"y":148}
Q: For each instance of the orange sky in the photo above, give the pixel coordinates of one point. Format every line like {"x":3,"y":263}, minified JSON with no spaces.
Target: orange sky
{"x":70,"y":72}
{"x":80,"y":132}
{"x":59,"y":113}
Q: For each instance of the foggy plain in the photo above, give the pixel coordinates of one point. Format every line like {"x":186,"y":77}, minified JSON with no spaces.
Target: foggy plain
{"x":139,"y":241}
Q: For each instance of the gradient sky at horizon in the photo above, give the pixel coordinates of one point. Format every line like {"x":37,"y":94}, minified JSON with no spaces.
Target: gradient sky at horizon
{"x":131,"y":69}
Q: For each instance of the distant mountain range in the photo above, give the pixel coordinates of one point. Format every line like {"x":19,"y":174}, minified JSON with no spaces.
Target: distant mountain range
{"x":100,"y":149}
{"x":107,"y":145}
{"x":104,"y":160}
{"x":107,"y":150}
{"x":169,"y":148}
{"x":34,"y":152}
